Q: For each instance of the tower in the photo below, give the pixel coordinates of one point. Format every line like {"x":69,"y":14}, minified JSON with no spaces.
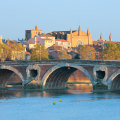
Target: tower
{"x":36,"y":27}
{"x":101,"y":37}
{"x":79,"y":29}
{"x":110,"y":37}
{"x":88,"y":35}
{"x":70,"y":31}
{"x":88,"y":32}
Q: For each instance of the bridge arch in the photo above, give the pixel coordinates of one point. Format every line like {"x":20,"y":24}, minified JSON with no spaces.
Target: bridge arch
{"x":10,"y":70}
{"x":114,"y":81}
{"x":62,"y":72}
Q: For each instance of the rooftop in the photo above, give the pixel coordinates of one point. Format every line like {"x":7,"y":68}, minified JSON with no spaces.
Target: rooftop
{"x":62,"y":40}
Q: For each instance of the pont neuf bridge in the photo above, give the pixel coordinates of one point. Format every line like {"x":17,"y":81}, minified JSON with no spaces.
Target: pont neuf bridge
{"x":52,"y":74}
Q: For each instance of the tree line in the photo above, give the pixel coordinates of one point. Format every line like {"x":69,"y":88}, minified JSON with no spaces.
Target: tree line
{"x":17,"y":51}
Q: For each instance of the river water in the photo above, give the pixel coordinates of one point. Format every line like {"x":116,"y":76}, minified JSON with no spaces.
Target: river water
{"x":78,"y":103}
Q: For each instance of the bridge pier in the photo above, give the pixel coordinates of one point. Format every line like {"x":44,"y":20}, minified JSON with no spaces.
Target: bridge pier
{"x":99,"y":86}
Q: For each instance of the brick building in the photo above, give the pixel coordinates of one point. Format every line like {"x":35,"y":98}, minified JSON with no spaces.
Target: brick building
{"x":75,"y":37}
{"x":32,"y":33}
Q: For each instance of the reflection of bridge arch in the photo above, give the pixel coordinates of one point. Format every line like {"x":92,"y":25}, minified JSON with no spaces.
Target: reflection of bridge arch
{"x":7,"y":71}
{"x":58,"y":75}
{"x":114,"y":80}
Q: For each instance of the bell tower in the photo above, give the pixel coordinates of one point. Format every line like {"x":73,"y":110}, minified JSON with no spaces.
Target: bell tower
{"x":36,"y":27}
{"x":101,"y":36}
{"x":88,"y":32}
{"x":88,"y":36}
{"x":110,"y":37}
{"x":79,"y":29}
{"x":71,"y":31}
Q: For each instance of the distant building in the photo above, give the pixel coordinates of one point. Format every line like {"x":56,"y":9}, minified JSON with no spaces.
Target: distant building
{"x":102,"y":42}
{"x":10,"y":42}
{"x":49,"y":40}
{"x":43,"y":39}
{"x":110,"y":37}
{"x":75,"y":37}
{"x":32,"y":33}
{"x":63,"y":43}
{"x":54,"y":51}
{"x":27,"y":56}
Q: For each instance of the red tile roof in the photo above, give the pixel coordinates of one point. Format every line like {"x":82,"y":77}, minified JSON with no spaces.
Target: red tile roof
{"x":55,"y":47}
{"x":47,"y":39}
{"x":27,"y":53}
{"x":62,"y":40}
{"x":103,"y":41}
{"x":30,"y":43}
{"x":10,"y":42}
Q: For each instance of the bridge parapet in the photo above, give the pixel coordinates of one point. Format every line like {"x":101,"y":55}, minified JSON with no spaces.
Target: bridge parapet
{"x":113,"y":63}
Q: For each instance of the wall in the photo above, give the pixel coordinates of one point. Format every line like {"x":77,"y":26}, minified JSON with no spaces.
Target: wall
{"x":78,"y":76}
{"x":84,"y":38}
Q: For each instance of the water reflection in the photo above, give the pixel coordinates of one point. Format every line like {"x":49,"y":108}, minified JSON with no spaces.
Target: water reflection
{"x":73,"y":89}
{"x":81,"y":87}
{"x":78,"y":102}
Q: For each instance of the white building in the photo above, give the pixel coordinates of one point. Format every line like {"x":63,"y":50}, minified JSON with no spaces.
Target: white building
{"x":63,"y":43}
{"x":43,"y":39}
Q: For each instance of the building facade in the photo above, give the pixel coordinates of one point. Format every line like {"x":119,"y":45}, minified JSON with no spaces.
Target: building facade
{"x":75,"y":37}
{"x":32,"y":33}
{"x":63,"y":43}
{"x":45,"y":40}
{"x":102,"y":42}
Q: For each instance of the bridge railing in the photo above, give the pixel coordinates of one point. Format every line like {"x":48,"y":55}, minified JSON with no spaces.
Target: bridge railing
{"x":79,"y":61}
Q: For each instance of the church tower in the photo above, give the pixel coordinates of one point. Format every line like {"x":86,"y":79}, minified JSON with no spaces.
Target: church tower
{"x":36,"y":27}
{"x":101,"y":37}
{"x":110,"y":37}
{"x":88,"y":32}
{"x":71,"y":31}
{"x":88,"y":35}
{"x":79,"y":29}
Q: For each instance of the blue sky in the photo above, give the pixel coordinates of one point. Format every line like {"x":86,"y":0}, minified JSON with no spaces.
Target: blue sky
{"x":54,"y":15}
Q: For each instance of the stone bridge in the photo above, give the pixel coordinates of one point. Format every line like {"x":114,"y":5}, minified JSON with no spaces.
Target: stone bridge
{"x":52,"y":74}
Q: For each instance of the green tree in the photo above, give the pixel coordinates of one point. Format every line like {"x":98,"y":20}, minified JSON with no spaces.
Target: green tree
{"x":18,"y":51}
{"x":87,"y":52}
{"x":111,"y":52}
{"x":64,"y":55}
{"x":5,"y":52}
{"x":39,"y":52}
